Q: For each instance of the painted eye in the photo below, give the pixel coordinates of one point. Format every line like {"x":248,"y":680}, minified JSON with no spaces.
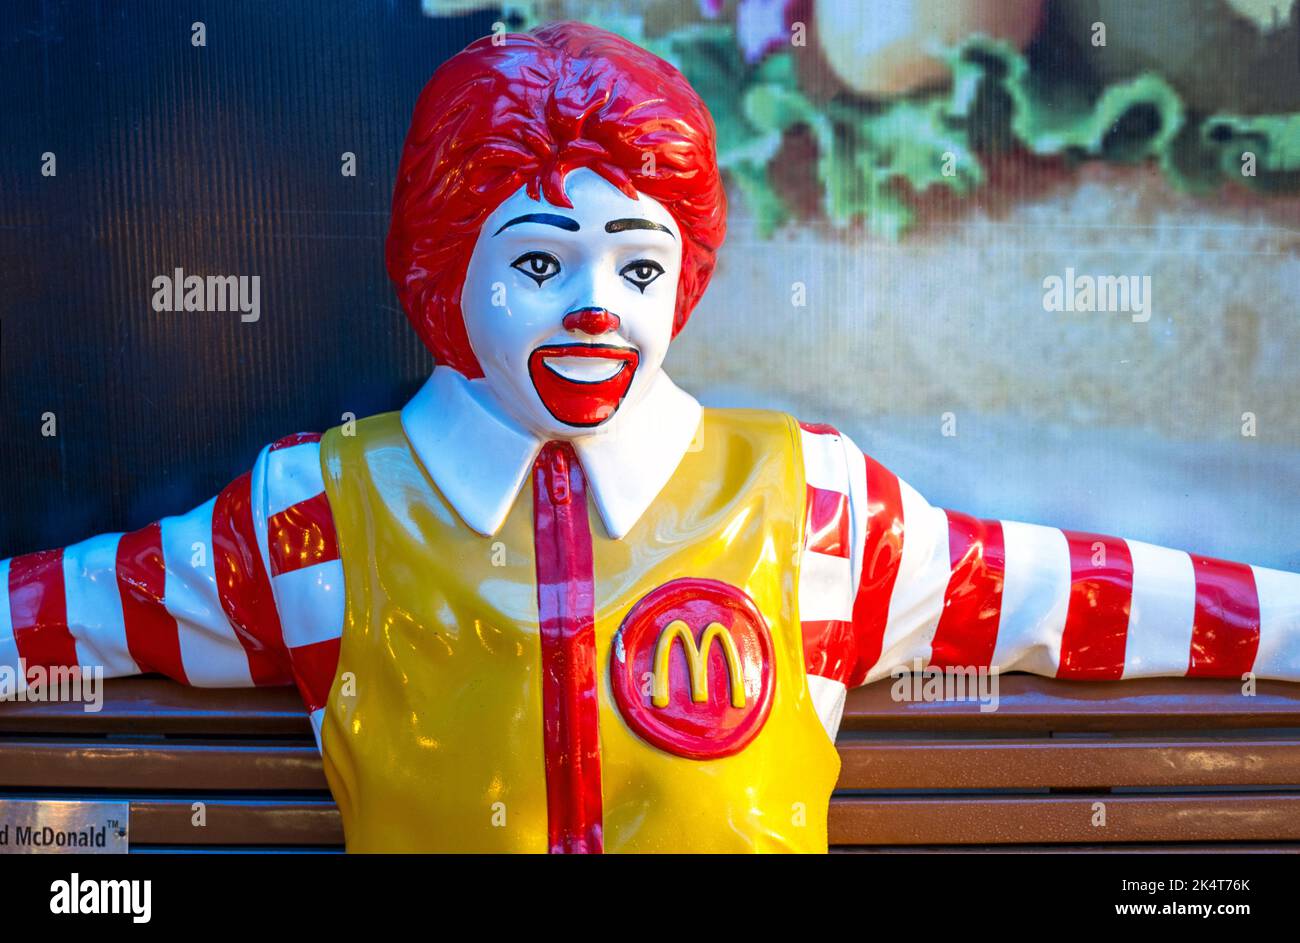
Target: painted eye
{"x":641,"y":272}
{"x":539,"y":266}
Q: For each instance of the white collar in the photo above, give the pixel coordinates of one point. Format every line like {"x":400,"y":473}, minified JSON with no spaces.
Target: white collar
{"x":479,"y":457}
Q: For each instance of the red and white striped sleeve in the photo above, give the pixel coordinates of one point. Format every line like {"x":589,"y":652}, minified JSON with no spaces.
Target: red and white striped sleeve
{"x":245,"y":590}
{"x":888,"y":581}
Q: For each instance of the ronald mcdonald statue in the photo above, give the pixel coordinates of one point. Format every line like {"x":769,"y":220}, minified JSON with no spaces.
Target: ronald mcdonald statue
{"x":553,"y":604}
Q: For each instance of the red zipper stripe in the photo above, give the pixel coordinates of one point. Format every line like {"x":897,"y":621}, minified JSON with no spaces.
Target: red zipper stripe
{"x":566,"y":611}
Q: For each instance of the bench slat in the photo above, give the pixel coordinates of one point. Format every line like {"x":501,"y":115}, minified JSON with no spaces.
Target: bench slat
{"x":160,"y":765}
{"x":1027,"y":702}
{"x":157,"y":705}
{"x":1215,"y":848}
{"x":867,"y":764}
{"x":1066,"y":764}
{"x":968,"y":820}
{"x":236,"y":822}
{"x":1264,"y":817}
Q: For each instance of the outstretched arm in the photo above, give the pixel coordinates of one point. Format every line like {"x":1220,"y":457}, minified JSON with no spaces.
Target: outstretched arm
{"x":888,"y":579}
{"x":244,"y":590}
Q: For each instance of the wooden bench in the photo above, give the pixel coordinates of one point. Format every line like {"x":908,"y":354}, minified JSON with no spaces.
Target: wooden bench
{"x":1176,"y":764}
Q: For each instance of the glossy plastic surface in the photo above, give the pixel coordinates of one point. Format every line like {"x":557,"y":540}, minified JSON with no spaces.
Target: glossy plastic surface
{"x":460,"y":693}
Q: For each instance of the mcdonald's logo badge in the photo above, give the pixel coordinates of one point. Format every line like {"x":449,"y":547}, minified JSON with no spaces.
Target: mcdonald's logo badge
{"x":692,"y":668}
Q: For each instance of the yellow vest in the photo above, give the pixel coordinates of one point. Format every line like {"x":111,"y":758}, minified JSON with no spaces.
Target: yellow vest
{"x":433,"y":734}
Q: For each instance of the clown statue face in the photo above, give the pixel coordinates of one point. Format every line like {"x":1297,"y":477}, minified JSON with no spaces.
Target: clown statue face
{"x":556,"y":217}
{"x":569,"y":310}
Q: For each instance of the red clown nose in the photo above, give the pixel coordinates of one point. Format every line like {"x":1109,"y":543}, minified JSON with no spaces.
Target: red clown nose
{"x":593,"y":321}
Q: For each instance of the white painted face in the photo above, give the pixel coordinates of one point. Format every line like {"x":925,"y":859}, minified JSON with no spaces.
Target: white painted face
{"x":570,"y":310}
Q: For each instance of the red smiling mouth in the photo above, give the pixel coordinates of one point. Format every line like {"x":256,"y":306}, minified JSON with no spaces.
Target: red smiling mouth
{"x":582,"y":384}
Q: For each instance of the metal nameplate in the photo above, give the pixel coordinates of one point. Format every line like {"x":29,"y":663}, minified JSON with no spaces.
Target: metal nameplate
{"x":63,"y":826}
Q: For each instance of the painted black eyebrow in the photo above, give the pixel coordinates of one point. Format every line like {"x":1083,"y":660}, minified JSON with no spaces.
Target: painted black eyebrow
{"x":550,"y":219}
{"x":623,"y":225}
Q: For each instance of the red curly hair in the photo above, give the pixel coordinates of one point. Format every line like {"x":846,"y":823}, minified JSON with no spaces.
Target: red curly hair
{"x":524,"y":112}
